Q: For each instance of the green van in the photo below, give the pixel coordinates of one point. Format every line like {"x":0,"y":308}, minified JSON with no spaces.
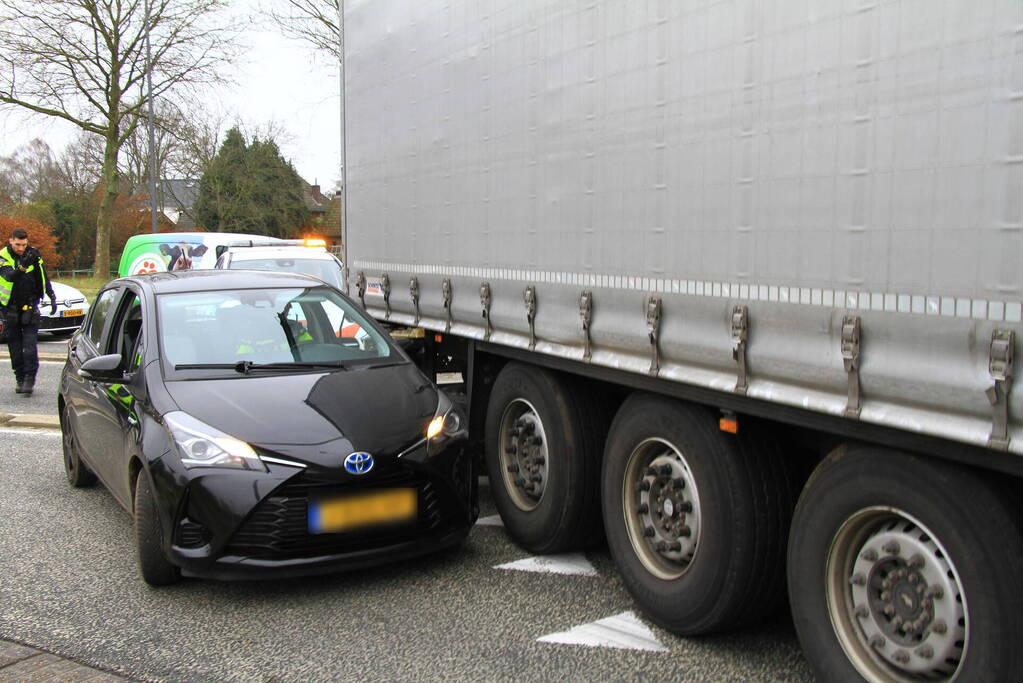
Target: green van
{"x":162,"y":251}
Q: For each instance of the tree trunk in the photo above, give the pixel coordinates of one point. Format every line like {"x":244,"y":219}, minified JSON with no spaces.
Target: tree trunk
{"x":105,"y":220}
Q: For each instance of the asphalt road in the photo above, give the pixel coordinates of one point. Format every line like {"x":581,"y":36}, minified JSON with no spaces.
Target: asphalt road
{"x":69,"y":585}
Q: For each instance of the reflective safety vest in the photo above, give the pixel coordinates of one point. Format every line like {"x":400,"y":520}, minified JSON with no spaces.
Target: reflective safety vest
{"x":6,"y":285}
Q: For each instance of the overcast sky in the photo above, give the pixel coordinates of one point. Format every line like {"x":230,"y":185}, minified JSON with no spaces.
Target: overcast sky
{"x":277,"y":79}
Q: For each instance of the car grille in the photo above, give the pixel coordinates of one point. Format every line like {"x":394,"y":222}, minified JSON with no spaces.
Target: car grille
{"x":279,"y":528}
{"x":46,"y":322}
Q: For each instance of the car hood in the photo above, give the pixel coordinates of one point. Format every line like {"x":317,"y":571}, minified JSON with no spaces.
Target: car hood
{"x":381,"y":410}
{"x":65,"y":292}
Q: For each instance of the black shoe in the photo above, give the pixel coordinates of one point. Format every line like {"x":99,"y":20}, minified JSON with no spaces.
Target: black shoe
{"x":28,"y":385}
{"x":19,"y":386}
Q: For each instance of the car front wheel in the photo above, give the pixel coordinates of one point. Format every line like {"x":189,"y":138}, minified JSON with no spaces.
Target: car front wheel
{"x":153,"y":564}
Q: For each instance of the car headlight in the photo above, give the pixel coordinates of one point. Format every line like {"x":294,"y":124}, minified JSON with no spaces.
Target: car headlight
{"x":447,"y":422}
{"x":201,"y":445}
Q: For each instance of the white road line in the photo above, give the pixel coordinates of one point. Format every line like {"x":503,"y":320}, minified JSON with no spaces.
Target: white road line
{"x":569,"y":563}
{"x":491,"y":520}
{"x":624,"y":631}
{"x":35,"y":431}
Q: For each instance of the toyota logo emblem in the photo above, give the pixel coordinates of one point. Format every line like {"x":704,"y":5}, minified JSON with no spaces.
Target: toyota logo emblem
{"x":359,"y":463}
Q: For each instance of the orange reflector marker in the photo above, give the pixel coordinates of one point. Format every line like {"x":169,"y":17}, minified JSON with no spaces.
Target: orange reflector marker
{"x":729,"y":424}
{"x":438,"y":338}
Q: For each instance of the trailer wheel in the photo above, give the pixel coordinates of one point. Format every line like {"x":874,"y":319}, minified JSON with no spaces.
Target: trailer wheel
{"x":696,"y":519}
{"x":542,"y":455}
{"x":905,"y":569}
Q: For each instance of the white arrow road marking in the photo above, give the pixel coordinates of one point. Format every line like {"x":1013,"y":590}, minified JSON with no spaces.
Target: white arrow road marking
{"x":624,"y":631}
{"x":569,"y":563}
{"x":492,"y":520}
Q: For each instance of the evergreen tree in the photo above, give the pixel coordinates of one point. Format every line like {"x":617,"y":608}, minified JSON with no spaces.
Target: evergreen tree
{"x":250,"y":188}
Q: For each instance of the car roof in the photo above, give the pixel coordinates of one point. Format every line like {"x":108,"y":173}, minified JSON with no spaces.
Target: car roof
{"x":252,"y":253}
{"x":175,"y":282}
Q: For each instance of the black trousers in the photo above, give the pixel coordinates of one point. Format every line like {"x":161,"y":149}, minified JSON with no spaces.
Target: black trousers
{"x":22,"y":328}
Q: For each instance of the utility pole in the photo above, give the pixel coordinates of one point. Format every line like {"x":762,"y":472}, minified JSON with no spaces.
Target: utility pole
{"x":344,"y":166}
{"x":152,"y":134}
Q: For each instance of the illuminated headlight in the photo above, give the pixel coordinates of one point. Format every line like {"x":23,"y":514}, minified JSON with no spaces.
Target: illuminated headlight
{"x":201,"y":445}
{"x":447,"y":422}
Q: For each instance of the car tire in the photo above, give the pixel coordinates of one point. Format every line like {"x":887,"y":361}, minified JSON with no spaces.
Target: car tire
{"x":696,"y":519}
{"x":156,"y":570}
{"x":78,"y":473}
{"x":558,"y":509}
{"x":866,"y":515}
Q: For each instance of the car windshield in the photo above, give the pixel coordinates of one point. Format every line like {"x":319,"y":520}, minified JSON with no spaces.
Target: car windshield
{"x":327,"y":270}
{"x":297,"y":328}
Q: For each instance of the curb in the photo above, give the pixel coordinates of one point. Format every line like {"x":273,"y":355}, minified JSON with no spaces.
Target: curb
{"x":38,"y":421}
{"x":42,"y":356}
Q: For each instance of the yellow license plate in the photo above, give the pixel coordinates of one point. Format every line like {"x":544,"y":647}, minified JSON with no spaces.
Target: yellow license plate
{"x":72,"y":312}
{"x":381,"y":506}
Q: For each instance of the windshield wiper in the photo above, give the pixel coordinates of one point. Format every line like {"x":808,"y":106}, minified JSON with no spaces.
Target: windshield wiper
{"x":247,"y":366}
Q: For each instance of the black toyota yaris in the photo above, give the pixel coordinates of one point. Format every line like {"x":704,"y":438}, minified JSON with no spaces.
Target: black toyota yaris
{"x":259,"y":424}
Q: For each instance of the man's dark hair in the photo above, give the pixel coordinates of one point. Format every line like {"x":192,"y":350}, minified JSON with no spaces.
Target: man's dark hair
{"x":19,"y":234}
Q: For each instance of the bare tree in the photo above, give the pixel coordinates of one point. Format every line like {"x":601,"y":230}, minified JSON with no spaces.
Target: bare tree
{"x":29,"y":174}
{"x":84,"y":61}
{"x":314,"y":21}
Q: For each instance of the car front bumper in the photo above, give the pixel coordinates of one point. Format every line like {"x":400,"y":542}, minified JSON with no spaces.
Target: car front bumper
{"x":249,"y":525}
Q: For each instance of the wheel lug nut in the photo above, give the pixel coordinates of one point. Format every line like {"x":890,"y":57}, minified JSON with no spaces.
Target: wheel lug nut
{"x":886,"y":595}
{"x":649,"y":532}
{"x":643,"y":486}
{"x":685,"y":532}
{"x":685,"y":506}
{"x":916,"y":561}
{"x":889,"y":610}
{"x":925,"y":651}
{"x":679,"y":483}
{"x":519,"y":481}
{"x":897,"y":621}
{"x":666,"y":470}
{"x":539,"y":460}
{"x":870,"y":555}
{"x":862,"y":612}
{"x":886,"y":584}
{"x":642,"y":509}
{"x":877,"y":641}
{"x":858,"y":580}
{"x":935,"y":592}
{"x":535,"y":478}
{"x":651,"y":471}
{"x":926,"y":603}
{"x":901,"y":656}
{"x":891,"y":547}
{"x":939,"y":627}
{"x":513,"y":468}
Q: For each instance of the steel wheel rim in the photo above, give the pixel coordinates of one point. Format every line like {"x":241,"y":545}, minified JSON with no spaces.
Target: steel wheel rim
{"x":661,"y":508}
{"x":895,"y":599}
{"x":523,"y":455}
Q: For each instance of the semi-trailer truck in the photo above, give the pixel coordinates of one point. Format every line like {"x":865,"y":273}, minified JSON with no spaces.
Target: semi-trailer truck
{"x":735,"y":285}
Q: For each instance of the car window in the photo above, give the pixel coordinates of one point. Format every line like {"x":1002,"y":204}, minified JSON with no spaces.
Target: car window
{"x":127,"y":337}
{"x":327,"y":270}
{"x":100,"y":313}
{"x":266,"y":326}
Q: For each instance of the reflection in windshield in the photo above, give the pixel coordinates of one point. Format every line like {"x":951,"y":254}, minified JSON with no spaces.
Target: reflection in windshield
{"x":265,"y":326}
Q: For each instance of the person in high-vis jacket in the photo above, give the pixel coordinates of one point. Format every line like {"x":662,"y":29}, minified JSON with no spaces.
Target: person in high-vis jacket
{"x":23,"y":283}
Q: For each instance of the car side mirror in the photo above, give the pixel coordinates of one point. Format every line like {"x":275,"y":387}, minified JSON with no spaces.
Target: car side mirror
{"x":102,"y":368}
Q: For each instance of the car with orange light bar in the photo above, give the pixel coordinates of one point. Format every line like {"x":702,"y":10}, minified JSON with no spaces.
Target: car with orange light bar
{"x":248,"y":438}
{"x":303,"y":256}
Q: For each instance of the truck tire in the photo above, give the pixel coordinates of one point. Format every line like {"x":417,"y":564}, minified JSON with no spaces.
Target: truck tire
{"x":903,"y":568}
{"x":543,"y":443}
{"x":696,"y":519}
{"x":156,"y":570}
